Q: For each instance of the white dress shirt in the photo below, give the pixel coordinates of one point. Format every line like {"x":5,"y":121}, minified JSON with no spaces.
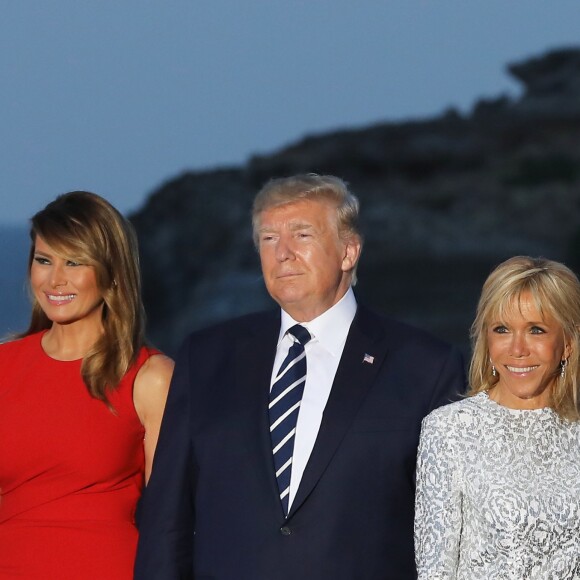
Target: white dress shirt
{"x":323,"y":352}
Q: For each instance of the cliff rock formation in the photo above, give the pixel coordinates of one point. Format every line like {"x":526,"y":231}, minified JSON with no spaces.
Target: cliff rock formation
{"x":443,"y":201}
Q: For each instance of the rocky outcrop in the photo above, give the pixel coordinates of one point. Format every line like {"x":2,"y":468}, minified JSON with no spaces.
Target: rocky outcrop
{"x":552,"y":83}
{"x":443,"y":200}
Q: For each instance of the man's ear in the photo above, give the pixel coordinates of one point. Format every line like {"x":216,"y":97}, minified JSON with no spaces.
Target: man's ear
{"x":352,"y":250}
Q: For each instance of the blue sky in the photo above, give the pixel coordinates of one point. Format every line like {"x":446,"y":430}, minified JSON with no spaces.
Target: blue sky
{"x":119,"y":96}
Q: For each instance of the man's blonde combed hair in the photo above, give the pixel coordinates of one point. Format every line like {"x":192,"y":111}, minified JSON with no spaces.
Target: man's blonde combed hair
{"x":311,"y":186}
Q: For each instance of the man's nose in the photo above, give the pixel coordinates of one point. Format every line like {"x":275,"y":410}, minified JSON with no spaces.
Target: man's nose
{"x":284,"y":250}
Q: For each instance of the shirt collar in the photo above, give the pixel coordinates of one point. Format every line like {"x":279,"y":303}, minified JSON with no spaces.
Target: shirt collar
{"x":331,"y":327}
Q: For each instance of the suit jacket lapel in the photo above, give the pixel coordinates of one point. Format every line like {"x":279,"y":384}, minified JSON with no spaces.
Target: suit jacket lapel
{"x":354,"y":378}
{"x":254,"y":361}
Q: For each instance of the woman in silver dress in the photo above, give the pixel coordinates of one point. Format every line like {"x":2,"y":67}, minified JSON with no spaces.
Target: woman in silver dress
{"x":498,"y":473}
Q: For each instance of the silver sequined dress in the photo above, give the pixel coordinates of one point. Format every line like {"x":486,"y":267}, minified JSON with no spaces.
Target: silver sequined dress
{"x":498,"y":494}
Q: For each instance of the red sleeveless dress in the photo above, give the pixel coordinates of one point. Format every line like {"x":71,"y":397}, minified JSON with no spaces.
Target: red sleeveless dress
{"x":71,"y":471}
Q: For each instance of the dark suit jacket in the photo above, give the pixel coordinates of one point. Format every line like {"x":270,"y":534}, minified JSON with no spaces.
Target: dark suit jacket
{"x":211,"y":509}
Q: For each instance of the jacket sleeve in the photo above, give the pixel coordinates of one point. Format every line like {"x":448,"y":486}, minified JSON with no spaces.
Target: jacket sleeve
{"x":166,"y":518}
{"x":451,"y":383}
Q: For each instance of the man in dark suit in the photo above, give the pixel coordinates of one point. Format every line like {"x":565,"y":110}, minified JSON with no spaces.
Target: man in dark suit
{"x":287,"y":449}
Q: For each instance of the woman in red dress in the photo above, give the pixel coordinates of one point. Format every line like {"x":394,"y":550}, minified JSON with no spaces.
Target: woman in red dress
{"x":81,"y":400}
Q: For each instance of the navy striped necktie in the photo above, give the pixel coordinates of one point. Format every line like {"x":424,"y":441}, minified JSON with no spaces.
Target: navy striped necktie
{"x":285,"y":399}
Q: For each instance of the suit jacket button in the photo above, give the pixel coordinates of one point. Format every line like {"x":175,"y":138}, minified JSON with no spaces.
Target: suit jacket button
{"x":285,"y":531}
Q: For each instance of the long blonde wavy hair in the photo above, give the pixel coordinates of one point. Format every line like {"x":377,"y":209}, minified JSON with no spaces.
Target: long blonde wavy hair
{"x":555,"y":290}
{"x":86,"y":227}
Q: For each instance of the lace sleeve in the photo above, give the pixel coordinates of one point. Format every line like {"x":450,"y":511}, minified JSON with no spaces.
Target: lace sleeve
{"x":438,"y":501}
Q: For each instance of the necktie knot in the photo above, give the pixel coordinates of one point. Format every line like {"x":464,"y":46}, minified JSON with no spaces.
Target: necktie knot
{"x":300,"y":334}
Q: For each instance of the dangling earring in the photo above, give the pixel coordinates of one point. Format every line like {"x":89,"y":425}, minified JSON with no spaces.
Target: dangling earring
{"x":493,"y":371}
{"x":563,"y":365}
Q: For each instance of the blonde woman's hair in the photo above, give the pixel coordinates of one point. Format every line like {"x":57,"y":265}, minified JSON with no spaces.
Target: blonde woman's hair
{"x":555,"y":290}
{"x":311,"y":186}
{"x":86,"y":228}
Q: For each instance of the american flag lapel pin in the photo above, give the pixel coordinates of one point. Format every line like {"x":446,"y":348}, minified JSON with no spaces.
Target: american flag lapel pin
{"x":367,"y":358}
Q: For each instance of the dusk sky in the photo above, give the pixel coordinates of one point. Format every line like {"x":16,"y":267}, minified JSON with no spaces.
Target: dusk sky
{"x":119,"y":96}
